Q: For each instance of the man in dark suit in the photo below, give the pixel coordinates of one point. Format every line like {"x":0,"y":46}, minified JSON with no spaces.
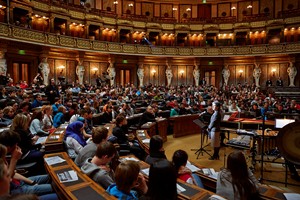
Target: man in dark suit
{"x":268,"y":83}
{"x":148,"y":116}
{"x":279,"y":82}
{"x":52,"y":91}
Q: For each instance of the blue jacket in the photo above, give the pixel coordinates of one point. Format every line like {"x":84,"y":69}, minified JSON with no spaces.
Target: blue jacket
{"x":113,"y":190}
{"x":36,"y":103}
{"x":58,"y":119}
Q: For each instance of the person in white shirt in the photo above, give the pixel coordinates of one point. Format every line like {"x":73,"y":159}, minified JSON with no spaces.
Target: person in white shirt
{"x":233,"y":108}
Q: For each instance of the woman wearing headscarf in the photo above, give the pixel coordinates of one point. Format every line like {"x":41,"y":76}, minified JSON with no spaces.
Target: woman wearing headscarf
{"x":74,"y":138}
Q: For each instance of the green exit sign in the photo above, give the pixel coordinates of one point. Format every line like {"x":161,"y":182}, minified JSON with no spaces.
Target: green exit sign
{"x":125,"y":61}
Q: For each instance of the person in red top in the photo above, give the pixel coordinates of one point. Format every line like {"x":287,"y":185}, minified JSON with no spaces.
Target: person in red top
{"x":23,"y":85}
{"x":180,"y":159}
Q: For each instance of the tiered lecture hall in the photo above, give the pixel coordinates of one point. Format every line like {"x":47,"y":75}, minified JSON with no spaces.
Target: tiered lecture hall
{"x":71,"y":67}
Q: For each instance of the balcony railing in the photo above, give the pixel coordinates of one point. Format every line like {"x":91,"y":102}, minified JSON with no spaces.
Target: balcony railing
{"x":20,"y":34}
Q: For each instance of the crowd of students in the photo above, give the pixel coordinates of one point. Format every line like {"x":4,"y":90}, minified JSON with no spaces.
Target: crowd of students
{"x":29,"y":119}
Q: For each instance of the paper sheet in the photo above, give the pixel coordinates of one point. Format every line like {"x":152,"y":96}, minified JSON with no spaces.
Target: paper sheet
{"x":146,"y":171}
{"x":146,"y":140}
{"x":54,"y":160}
{"x":67,"y":176}
{"x":193,"y":168}
{"x":180,"y":189}
{"x":291,"y":196}
{"x":41,"y":140}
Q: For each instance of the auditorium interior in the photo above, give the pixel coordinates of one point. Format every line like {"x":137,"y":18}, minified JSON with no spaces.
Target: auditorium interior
{"x":218,"y":47}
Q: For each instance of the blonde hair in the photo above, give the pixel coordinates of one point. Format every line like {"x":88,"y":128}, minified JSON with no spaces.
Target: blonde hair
{"x":20,"y":121}
{"x":7,"y":109}
{"x":46,"y":108}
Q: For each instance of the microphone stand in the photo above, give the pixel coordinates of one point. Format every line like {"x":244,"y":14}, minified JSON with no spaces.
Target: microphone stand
{"x":262,"y":149}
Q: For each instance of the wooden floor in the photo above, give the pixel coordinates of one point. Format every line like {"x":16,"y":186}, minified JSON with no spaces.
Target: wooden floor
{"x":271,"y":171}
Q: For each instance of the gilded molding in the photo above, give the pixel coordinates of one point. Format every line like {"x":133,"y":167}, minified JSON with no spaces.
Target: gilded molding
{"x":171,"y":51}
{"x":114,"y":47}
{"x":40,"y":6}
{"x":4,"y":30}
{"x":97,"y":45}
{"x":93,"y":17}
{"x":199,"y":51}
{"x":61,"y":41}
{"x":67,"y":41}
{"x":83,"y":44}
{"x":185,"y":51}
{"x":157,"y":50}
{"x":259,"y":49}
{"x":124,"y":22}
{"x":226,"y":26}
{"x":210,"y":26}
{"x":292,"y":20}
{"x":258,"y":24}
{"x":108,"y":20}
{"x":77,"y":15}
{"x":59,"y":9}
{"x":143,"y":49}
{"x":196,"y":27}
{"x":153,"y":25}
{"x":129,"y":49}
{"x":139,"y":24}
{"x":25,"y":34}
{"x":52,"y":39}
{"x":213,"y":51}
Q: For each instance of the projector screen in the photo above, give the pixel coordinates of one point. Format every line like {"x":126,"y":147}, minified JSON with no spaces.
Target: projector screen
{"x":280,"y":123}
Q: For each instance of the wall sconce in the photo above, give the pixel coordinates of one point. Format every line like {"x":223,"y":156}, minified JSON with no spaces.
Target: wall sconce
{"x":241,"y":72}
{"x":181,"y":73}
{"x":95,"y":71}
{"x":153,"y":72}
{"x":273,"y":71}
{"x":61,"y":68}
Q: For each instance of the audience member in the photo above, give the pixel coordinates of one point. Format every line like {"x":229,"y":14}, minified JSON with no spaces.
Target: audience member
{"x":74,"y":138}
{"x":59,"y":118}
{"x":127,"y":177}
{"x":156,"y":150}
{"x":36,"y":125}
{"x":99,"y":135}
{"x":237,"y":181}
{"x":97,"y":167}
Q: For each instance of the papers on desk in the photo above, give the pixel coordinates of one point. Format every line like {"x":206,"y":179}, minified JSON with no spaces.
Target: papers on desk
{"x":216,"y":197}
{"x":291,"y":196}
{"x":180,"y":189}
{"x":141,"y":134}
{"x":54,"y":137}
{"x":54,"y":160}
{"x":210,"y":172}
{"x":146,"y":171}
{"x":146,"y":140}
{"x":67,"y":176}
{"x":41,"y":140}
{"x":191,"y":167}
{"x":128,"y":158}
{"x":59,"y":132}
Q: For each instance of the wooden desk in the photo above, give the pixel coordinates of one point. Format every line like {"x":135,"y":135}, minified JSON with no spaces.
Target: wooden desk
{"x":162,"y":128}
{"x":183,"y":125}
{"x":150,"y":127}
{"x":55,"y":141}
{"x":192,"y":191}
{"x":84,"y":188}
{"x":265,"y":191}
{"x":142,"y":135}
{"x":247,"y":123}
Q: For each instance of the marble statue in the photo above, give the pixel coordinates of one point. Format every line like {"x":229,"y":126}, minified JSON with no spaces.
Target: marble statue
{"x":256,"y":74}
{"x":111,"y":72}
{"x":80,"y":72}
{"x":45,"y":70}
{"x":196,"y":74}
{"x":169,"y":74}
{"x":292,"y":72}
{"x":226,"y":74}
{"x":140,"y":74}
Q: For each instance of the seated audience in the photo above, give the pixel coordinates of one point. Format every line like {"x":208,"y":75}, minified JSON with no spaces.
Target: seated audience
{"x":3,"y":121}
{"x":147,"y":116}
{"x":120,"y":132}
{"x":37,"y":102}
{"x":47,"y":119}
{"x":180,"y":159}
{"x":74,"y":138}
{"x":8,"y":112}
{"x":99,"y":135}
{"x":56,"y":105}
{"x":237,"y":181}
{"x":174,"y":110}
{"x":162,"y":181}
{"x":36,"y":125}
{"x":59,"y":118}
{"x":97,"y":167}
{"x":31,"y":151}
{"x":233,"y":108}
{"x":127,"y":177}
{"x":156,"y":150}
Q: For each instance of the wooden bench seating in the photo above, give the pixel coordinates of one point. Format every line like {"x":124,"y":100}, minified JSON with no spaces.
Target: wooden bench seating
{"x":84,"y":188}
